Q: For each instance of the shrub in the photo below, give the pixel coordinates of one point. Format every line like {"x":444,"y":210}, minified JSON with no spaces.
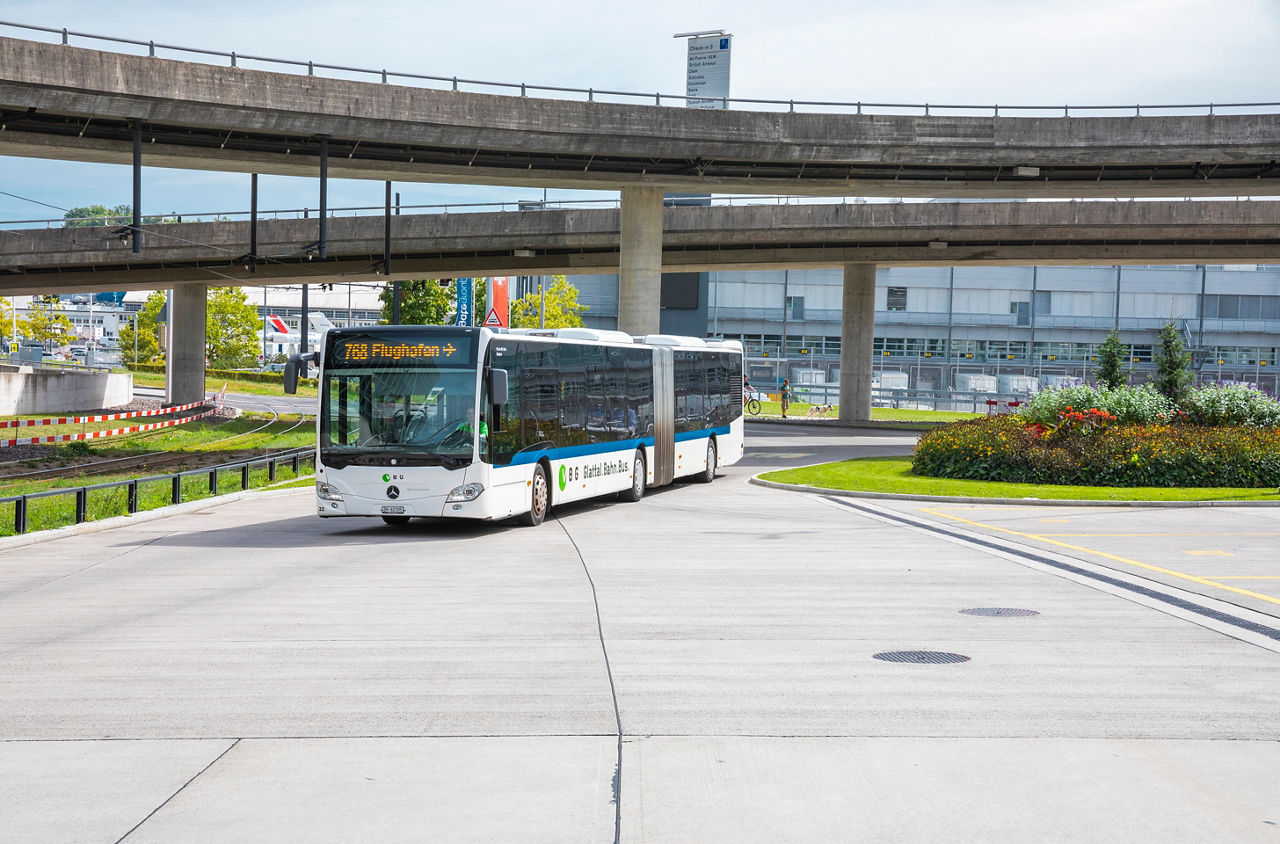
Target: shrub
{"x":1136,"y":405}
{"x":1222,"y":404}
{"x":1003,"y":448}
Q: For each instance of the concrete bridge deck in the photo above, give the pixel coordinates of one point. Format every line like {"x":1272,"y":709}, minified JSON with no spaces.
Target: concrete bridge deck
{"x":74,"y":103}
{"x":693,"y":239}
{"x":247,"y":672}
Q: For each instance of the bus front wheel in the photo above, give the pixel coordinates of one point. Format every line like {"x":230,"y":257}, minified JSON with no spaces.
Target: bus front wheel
{"x":539,"y":498}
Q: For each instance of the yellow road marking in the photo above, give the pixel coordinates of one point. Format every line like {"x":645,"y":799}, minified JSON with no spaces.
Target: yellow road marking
{"x":1249,"y":577}
{"x":1201,"y":580}
{"x":1209,"y":553}
{"x":1233,"y":533}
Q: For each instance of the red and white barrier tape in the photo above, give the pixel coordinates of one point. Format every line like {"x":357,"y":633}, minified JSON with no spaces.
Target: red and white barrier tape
{"x":80,"y":420}
{"x":93,"y":435}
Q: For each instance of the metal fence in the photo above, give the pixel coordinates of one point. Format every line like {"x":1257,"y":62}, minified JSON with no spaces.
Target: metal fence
{"x":294,"y":457}
{"x":455,"y":83}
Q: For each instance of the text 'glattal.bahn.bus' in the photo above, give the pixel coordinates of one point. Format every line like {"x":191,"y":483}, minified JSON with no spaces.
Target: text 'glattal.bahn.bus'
{"x":471,"y":423}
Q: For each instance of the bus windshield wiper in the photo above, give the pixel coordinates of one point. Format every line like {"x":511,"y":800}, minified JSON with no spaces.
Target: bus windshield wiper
{"x":397,"y":455}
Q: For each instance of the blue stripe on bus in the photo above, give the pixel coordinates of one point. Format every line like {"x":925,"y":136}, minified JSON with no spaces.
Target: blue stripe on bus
{"x":565,"y":452}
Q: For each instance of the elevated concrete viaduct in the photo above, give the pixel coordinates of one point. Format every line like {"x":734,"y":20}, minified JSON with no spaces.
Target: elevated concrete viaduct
{"x":694,"y":239}
{"x":72,"y":103}
{"x":194,"y":255}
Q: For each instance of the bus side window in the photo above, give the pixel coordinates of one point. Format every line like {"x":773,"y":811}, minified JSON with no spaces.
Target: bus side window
{"x":640,"y":389}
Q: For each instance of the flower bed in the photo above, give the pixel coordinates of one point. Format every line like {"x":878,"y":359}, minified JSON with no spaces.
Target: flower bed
{"x":1097,"y":446}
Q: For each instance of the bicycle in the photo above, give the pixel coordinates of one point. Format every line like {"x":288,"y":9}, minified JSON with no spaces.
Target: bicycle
{"x":752,"y":406}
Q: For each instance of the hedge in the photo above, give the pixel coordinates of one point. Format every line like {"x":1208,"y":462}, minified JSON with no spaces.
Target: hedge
{"x":228,"y":374}
{"x":1091,"y":450}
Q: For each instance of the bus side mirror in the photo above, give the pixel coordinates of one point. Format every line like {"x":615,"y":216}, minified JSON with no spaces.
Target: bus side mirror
{"x":498,"y":391}
{"x":291,"y":368}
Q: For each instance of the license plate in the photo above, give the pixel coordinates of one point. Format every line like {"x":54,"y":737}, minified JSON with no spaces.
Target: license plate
{"x":393,"y":509}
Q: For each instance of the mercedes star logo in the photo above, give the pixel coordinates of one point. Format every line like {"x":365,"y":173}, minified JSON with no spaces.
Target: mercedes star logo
{"x":393,"y":492}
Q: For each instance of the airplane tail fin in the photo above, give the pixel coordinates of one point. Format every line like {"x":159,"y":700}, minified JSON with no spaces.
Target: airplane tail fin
{"x":320,"y":321}
{"x":274,"y":323}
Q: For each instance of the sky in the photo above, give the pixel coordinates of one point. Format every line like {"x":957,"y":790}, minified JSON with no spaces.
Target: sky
{"x":1028,"y":52}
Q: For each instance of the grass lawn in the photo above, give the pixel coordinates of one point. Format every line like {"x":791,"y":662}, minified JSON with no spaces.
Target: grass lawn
{"x":878,"y":414}
{"x":213,"y":385}
{"x":893,"y":474}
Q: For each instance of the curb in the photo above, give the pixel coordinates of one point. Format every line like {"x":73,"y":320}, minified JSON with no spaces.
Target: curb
{"x":36,"y":537}
{"x":916,"y":427}
{"x":1035,"y":502}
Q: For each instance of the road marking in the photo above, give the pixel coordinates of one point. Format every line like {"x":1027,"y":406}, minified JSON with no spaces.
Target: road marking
{"x":1172,"y":572}
{"x":1249,"y":577}
{"x":1233,"y":533}
{"x":1209,"y":553}
{"x":1053,"y":521}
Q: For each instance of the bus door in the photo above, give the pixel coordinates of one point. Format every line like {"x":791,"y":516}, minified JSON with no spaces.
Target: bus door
{"x":664,"y":417}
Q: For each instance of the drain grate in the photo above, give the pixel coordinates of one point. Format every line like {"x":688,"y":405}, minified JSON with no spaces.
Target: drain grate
{"x":924,"y":657}
{"x":999,"y":612}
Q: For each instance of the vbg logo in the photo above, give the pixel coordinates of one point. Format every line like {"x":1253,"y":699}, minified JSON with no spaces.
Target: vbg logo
{"x":564,"y":477}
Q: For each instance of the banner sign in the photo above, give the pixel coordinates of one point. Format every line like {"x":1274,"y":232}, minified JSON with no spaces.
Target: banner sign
{"x":498,"y":305}
{"x":466,"y":306}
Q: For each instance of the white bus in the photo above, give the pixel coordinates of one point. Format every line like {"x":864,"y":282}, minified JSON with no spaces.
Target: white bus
{"x":423,"y":421}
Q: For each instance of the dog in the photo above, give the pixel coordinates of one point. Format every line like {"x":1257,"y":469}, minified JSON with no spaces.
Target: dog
{"x":819,"y":410}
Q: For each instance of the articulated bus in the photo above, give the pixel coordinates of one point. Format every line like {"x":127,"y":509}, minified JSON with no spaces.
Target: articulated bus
{"x":424,"y":421}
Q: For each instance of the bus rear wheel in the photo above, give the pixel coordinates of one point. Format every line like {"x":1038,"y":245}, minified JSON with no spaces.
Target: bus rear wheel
{"x":708,"y":475}
{"x":638,"y":476}
{"x":539,"y":498}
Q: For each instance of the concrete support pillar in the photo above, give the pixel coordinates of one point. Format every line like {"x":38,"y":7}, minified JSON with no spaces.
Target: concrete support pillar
{"x":184,"y":369}
{"x":857,"y":330}
{"x":640,"y":261}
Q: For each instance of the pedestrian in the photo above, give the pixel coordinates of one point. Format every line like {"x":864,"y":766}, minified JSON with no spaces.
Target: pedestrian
{"x":786,"y":396}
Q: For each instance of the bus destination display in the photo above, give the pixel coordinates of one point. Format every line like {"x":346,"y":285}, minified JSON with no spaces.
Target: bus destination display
{"x":436,"y":351}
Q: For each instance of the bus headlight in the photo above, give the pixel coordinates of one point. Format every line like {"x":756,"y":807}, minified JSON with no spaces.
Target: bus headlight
{"x":466,"y":492}
{"x":327,"y":492}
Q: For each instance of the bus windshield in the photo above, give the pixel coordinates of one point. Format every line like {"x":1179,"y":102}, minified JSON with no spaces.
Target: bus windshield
{"x":426,"y":411}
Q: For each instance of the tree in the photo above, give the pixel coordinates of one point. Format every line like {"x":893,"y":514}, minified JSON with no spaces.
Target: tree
{"x":231,"y":329}
{"x":148,"y":338}
{"x":422,"y":302}
{"x":563,"y":310}
{"x":1113,"y":371}
{"x":6,"y":321}
{"x":45,"y":324}
{"x":121,"y":215}
{"x":1173,"y":364}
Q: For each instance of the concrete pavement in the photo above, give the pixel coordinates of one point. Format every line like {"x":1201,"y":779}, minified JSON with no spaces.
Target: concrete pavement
{"x":247,"y":672}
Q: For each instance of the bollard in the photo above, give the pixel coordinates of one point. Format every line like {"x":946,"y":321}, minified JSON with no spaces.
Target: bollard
{"x":176,"y":493}
{"x":82,"y":505}
{"x":132,"y":503}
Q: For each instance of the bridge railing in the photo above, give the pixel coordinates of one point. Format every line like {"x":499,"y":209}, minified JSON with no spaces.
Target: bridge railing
{"x":521,"y":205}
{"x":524,"y":89}
{"x":189,"y":485}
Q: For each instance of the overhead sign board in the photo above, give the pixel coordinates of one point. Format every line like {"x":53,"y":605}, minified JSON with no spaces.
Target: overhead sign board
{"x":707,"y":78}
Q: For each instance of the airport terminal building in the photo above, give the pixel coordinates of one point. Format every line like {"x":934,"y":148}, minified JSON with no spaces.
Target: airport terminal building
{"x":934,"y":325}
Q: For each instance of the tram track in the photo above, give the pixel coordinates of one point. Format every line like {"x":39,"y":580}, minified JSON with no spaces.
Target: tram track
{"x":167,"y":457}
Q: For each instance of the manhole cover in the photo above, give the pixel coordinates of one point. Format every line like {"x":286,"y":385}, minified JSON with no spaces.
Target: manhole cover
{"x":999,"y":612}
{"x":926,"y":657}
